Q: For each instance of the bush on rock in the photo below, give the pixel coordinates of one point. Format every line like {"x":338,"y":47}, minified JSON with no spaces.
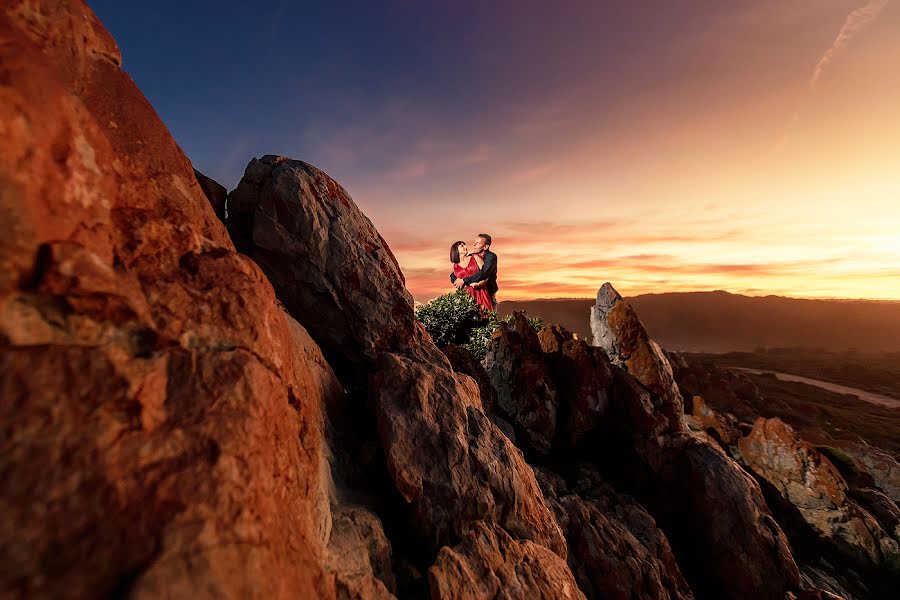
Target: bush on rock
{"x":456,"y":318}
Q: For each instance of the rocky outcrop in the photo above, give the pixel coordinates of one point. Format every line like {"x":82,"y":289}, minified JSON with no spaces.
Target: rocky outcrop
{"x":449,"y":461}
{"x":615,"y":548}
{"x":327,"y":262}
{"x":526,"y":394}
{"x":161,"y":412}
{"x":488,"y":563}
{"x":881,"y":466}
{"x":741,"y":551}
{"x":815,"y":488}
{"x":617,"y":329}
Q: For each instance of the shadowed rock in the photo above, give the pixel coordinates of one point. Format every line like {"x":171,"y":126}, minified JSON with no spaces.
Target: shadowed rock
{"x":215,"y":192}
{"x":526,"y":394}
{"x":713,"y":513}
{"x":359,"y":555}
{"x":583,"y":377}
{"x":328,"y":264}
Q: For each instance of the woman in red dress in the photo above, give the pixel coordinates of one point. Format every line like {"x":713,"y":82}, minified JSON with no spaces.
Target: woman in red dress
{"x":459,"y":255}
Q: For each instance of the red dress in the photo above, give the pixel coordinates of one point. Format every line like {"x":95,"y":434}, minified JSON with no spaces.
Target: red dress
{"x":479,"y":293}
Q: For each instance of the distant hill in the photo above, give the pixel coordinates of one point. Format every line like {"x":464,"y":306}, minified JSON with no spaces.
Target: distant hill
{"x":720,"y":321}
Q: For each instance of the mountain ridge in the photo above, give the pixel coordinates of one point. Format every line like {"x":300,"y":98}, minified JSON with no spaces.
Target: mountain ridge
{"x":721,"y":321}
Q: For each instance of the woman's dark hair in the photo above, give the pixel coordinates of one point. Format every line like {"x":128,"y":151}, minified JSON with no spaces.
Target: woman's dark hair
{"x":454,"y":251}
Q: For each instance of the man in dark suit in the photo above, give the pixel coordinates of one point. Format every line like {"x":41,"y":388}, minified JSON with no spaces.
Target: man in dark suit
{"x":488,"y":271}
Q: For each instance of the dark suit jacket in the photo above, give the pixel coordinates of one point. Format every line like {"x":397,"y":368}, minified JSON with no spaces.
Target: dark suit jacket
{"x":487,"y":272}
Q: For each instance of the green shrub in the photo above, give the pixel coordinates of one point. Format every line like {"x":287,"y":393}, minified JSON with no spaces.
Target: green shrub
{"x":451,"y":318}
{"x":456,"y":318}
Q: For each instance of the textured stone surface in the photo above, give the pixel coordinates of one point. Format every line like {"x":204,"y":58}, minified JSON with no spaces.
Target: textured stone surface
{"x":449,"y":461}
{"x":885,"y":471}
{"x":617,"y":329}
{"x":327,"y":262}
{"x":160,"y":439}
{"x":488,"y":563}
{"x":615,"y":548}
{"x":526,"y":393}
{"x":809,"y":481}
{"x":722,"y":428}
{"x":359,"y":555}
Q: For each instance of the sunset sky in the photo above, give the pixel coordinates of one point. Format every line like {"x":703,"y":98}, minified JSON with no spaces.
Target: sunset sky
{"x":750,"y":146}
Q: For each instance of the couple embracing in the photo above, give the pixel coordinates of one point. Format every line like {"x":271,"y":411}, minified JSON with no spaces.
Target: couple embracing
{"x":476,"y":271}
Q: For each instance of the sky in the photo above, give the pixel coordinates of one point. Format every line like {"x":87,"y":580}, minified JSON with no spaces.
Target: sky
{"x":747,"y":146}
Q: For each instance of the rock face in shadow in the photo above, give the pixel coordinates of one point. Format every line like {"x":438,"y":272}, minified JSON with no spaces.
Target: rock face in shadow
{"x":449,"y":461}
{"x":327,"y":262}
{"x":162,"y":413}
{"x":359,"y":555}
{"x":215,"y":192}
{"x":583,"y":376}
{"x":488,"y":563}
{"x":526,"y":394}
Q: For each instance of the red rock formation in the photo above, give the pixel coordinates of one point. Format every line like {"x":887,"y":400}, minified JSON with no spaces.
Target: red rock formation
{"x":488,"y":563}
{"x":615,"y":549}
{"x":359,"y":555}
{"x":721,"y":427}
{"x":327,"y":262}
{"x":449,"y":461}
{"x":808,"y":480}
{"x":713,"y":513}
{"x":161,"y":412}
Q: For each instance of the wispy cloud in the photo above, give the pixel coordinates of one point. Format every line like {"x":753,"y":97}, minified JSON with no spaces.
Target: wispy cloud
{"x":855,"y":22}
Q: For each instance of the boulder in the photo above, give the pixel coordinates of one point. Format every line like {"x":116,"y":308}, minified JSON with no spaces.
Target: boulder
{"x":806,"y":479}
{"x":449,"y":461}
{"x":488,"y":563}
{"x":883,"y":468}
{"x":161,"y":412}
{"x":526,"y":393}
{"x":328,"y":264}
{"x":617,"y":329}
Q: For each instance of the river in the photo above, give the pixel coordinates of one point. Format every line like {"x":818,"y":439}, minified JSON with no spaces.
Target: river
{"x":831,"y":387}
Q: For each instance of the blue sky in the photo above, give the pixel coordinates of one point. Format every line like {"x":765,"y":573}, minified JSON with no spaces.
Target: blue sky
{"x":590,"y":133}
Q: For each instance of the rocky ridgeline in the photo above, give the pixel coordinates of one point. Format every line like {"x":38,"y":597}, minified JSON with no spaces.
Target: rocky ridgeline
{"x":248,"y":409}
